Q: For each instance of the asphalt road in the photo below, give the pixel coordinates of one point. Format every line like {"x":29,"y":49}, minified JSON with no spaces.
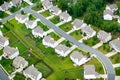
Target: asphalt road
{"x":3,"y":75}
{"x":101,"y":56}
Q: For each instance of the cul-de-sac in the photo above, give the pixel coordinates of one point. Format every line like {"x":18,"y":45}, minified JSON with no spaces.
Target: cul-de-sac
{"x":59,"y":40}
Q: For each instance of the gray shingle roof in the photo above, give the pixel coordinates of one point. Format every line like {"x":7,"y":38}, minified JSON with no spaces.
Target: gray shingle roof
{"x":5,"y":6}
{"x":46,"y":3}
{"x":16,"y":2}
{"x":65,"y":15}
{"x":20,"y":16}
{"x":2,"y":40}
{"x":113,"y":6}
{"x":55,"y":9}
{"x":38,"y":30}
{"x":108,"y":12}
{"x":77,"y":23}
{"x":48,"y":39}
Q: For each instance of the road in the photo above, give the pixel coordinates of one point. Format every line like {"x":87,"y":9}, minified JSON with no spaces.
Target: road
{"x":104,"y":59}
{"x":3,"y":75}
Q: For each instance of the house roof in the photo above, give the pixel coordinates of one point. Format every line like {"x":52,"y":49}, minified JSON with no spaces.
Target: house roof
{"x":102,"y":35}
{"x":62,"y":48}
{"x":2,"y":39}
{"x":65,"y":15}
{"x":46,"y":3}
{"x":113,"y":6}
{"x":77,"y":23}
{"x":115,"y":43}
{"x":30,"y":22}
{"x":108,"y":12}
{"x":77,"y":55}
{"x":20,"y":16}
{"x":18,"y":61}
{"x":90,"y":70}
{"x":55,"y":9}
{"x":38,"y":30}
{"x":16,"y":2}
{"x":48,"y":39}
{"x":32,"y":71}
{"x":9,"y":50}
{"x":5,"y":5}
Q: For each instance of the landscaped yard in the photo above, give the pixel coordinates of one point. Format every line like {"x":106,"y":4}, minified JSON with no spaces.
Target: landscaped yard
{"x":37,"y":7}
{"x":117,"y":70}
{"x":19,"y":76}
{"x":24,"y":4}
{"x":76,"y":35}
{"x":67,"y":43}
{"x":44,"y":27}
{"x":45,"y":14}
{"x":55,"y":19}
{"x":115,"y":59}
{"x":4,"y":29}
{"x":66,"y":27}
{"x":55,"y":36}
{"x":31,"y":17}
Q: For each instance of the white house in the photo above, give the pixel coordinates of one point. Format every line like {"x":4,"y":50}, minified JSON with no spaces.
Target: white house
{"x":78,"y":24}
{"x":20,"y":62}
{"x":32,"y":73}
{"x":112,"y":7}
{"x":48,"y":41}
{"x":1,"y":34}
{"x":47,"y":4}
{"x":88,"y":31}
{"x":38,"y":32}
{"x":115,"y":44}
{"x":119,"y":20}
{"x":90,"y":73}
{"x":16,"y":2}
{"x":78,"y":58}
{"x":108,"y":15}
{"x":65,"y":16}
{"x":5,"y":6}
{"x":55,"y":10}
{"x":21,"y":18}
{"x":31,"y":24}
{"x":4,"y":41}
{"x":62,"y":50}
{"x":104,"y":36}
{"x":10,"y":52}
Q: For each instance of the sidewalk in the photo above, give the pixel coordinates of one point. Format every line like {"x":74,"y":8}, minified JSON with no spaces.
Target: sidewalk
{"x":60,"y":23}
{"x":111,"y":54}
{"x":116,"y":65}
{"x":50,"y":17}
{"x":28,"y":1}
{"x":40,"y":11}
{"x":97,"y":45}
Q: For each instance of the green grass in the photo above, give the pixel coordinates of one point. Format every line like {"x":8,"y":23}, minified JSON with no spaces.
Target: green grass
{"x":19,"y":76}
{"x":44,"y":27}
{"x":7,"y":64}
{"x":46,"y":13}
{"x":55,"y":20}
{"x":117,"y":70}
{"x":37,"y":7}
{"x":105,"y":48}
{"x":24,"y":4}
{"x":42,"y":67}
{"x":67,"y":43}
{"x":4,"y":29}
{"x":31,"y":17}
{"x":115,"y":59}
{"x":14,"y":9}
{"x":66,"y":27}
{"x":76,"y":35}
{"x":1,"y":52}
{"x":91,"y":41}
{"x":55,"y":36}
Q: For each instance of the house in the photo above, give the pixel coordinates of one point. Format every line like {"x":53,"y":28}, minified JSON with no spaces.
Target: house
{"x":115,"y":44}
{"x":48,"y":41}
{"x":119,"y":20}
{"x":4,"y":41}
{"x":38,"y":32}
{"x":108,"y":15}
{"x":104,"y":36}
{"x":5,"y":6}
{"x":90,"y":73}
{"x":78,"y":58}
{"x":16,"y":2}
{"x":1,"y":34}
{"x":30,"y":24}
{"x":10,"y":52}
{"x":20,"y":62}
{"x":62,"y":50}
{"x":65,"y":16}
{"x":78,"y":24}
{"x":88,"y":31}
{"x":47,"y":4}
{"x":112,"y":7}
{"x":32,"y":73}
{"x":55,"y":10}
{"x":21,"y":18}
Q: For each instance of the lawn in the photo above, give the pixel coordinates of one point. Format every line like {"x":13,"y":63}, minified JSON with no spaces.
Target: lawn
{"x":66,"y":27}
{"x":19,"y":76}
{"x":105,"y":48}
{"x":4,"y":29}
{"x":117,"y":70}
{"x":44,"y":27}
{"x":115,"y":59}
{"x":42,"y":67}
{"x":55,"y":36}
{"x":14,"y":9}
{"x":31,"y":17}
{"x":91,"y":41}
{"x":7,"y":64}
{"x":3,"y":14}
{"x":24,"y":4}
{"x":37,"y":7}
{"x":46,"y":13}
{"x":55,"y":19}
{"x":1,"y":52}
{"x":76,"y":35}
{"x":67,"y":43}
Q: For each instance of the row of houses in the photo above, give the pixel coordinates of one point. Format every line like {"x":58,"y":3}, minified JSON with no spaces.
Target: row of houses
{"x":6,"y":5}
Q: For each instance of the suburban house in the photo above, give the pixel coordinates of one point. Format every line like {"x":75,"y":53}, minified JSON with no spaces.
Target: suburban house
{"x":4,"y":41}
{"x":32,"y":73}
{"x":47,"y":4}
{"x":78,"y":58}
{"x":62,"y":50}
{"x":78,"y":24}
{"x":108,"y":15}
{"x":112,"y":7}
{"x":21,"y":18}
{"x":10,"y":52}
{"x":5,"y":6}
{"x":20,"y":62}
{"x":115,"y":44}
{"x":1,"y":34}
{"x":119,"y":20}
{"x":65,"y":16}
{"x":90,"y":73}
{"x":30,"y":24}
{"x":38,"y":32}
{"x":16,"y":2}
{"x":88,"y":31}
{"x":55,"y":10}
{"x":104,"y":36}
{"x":48,"y":41}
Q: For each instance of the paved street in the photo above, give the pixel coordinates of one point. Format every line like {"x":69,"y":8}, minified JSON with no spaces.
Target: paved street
{"x":104,"y":59}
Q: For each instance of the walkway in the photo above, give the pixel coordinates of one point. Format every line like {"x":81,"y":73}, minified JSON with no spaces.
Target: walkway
{"x":111,"y":54}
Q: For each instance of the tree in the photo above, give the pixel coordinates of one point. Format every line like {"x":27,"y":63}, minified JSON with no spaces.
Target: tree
{"x":68,"y":43}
